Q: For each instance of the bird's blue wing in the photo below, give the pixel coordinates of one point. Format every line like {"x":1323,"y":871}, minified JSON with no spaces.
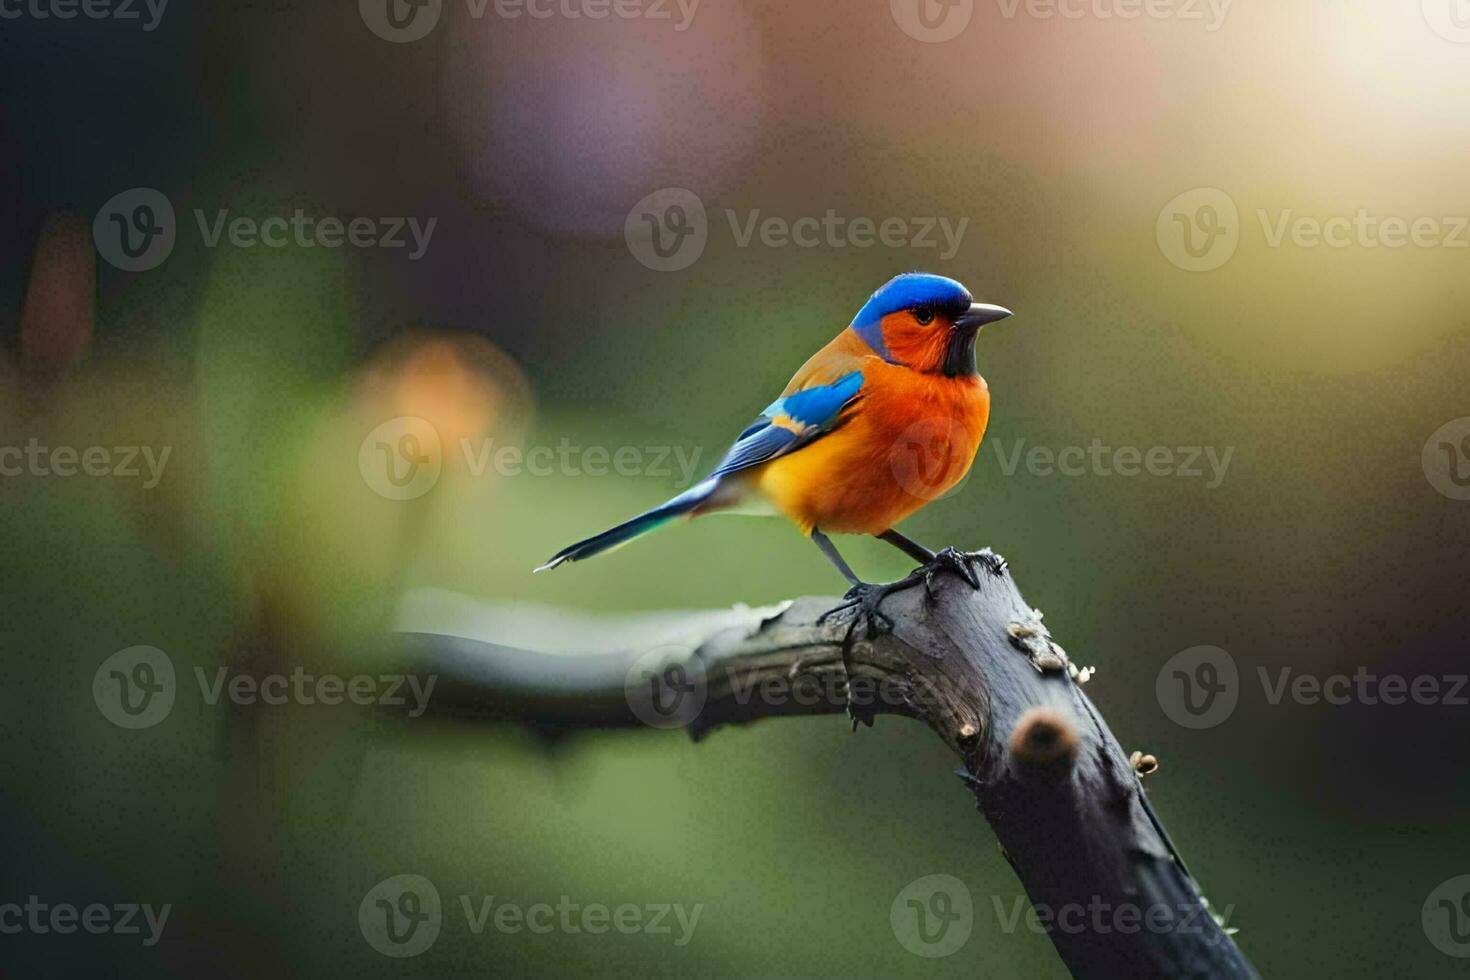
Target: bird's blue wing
{"x":790,"y":422}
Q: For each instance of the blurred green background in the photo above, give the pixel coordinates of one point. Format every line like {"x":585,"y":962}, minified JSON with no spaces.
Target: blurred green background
{"x":1326,"y":547}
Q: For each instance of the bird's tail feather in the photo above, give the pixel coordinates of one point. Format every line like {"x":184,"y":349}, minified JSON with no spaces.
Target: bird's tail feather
{"x":628,"y":530}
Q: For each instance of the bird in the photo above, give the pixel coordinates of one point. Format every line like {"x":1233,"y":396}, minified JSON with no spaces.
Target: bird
{"x":884,"y":419}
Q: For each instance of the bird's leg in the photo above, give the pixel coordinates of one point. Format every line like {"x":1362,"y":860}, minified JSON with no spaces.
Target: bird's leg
{"x":908,"y":546}
{"x":865,"y":600}
{"x":830,"y":550}
{"x":933,"y":562}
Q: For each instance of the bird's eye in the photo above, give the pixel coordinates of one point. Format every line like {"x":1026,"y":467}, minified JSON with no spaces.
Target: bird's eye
{"x":924,"y":315}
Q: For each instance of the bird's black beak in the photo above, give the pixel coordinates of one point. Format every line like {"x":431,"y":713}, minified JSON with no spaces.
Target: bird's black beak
{"x":978,"y":315}
{"x":959,"y":356}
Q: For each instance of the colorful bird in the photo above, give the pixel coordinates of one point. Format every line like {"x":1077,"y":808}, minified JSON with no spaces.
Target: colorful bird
{"x":883,"y":420}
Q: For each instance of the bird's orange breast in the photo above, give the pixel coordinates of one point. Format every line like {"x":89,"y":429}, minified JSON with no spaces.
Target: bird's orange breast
{"x":907,"y":441}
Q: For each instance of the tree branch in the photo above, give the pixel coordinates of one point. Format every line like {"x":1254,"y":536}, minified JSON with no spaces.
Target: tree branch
{"x":976,"y":665}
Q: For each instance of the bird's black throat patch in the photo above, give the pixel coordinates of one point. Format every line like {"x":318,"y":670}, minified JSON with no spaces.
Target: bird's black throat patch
{"x":959,"y":356}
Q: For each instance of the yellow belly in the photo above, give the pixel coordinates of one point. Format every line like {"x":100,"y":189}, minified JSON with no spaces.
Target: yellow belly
{"x":896,"y":454}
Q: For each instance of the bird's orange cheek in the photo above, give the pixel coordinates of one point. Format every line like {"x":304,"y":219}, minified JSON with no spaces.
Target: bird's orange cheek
{"x":920,"y":346}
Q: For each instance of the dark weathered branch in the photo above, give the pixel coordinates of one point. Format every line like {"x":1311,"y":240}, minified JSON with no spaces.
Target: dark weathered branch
{"x":976,"y":665}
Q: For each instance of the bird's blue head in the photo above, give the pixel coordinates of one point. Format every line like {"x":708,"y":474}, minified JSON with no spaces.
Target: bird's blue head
{"x":925,"y":322}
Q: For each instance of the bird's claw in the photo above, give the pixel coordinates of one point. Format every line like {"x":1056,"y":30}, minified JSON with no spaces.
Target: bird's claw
{"x":950,"y":560}
{"x":865,"y":602}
